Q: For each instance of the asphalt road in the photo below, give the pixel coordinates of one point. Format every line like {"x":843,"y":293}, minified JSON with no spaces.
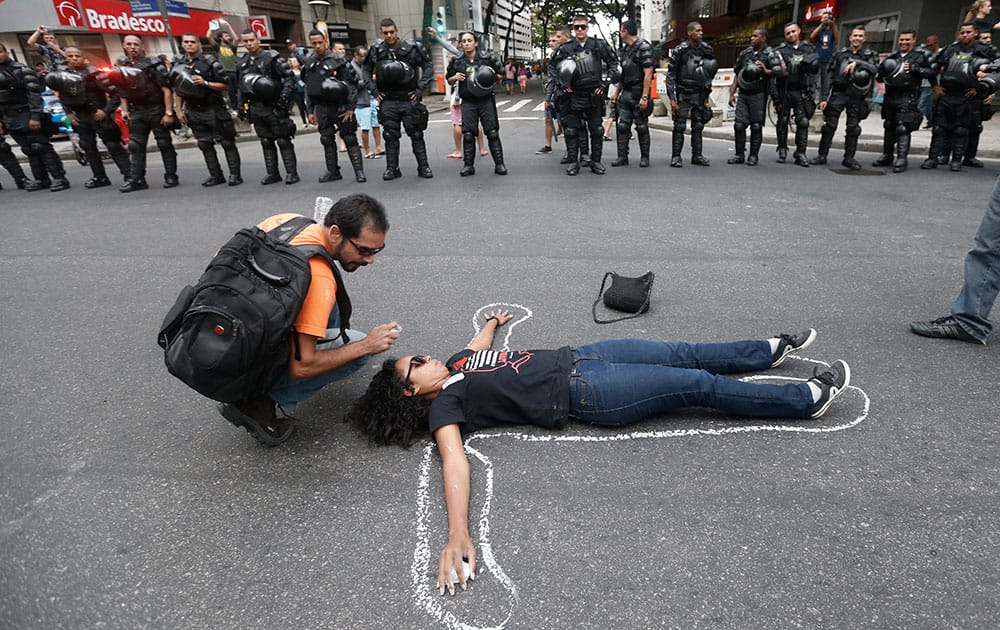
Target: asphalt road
{"x":127,"y":502}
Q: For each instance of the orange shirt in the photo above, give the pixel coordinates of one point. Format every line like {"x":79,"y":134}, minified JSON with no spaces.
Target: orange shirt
{"x":322,"y":294}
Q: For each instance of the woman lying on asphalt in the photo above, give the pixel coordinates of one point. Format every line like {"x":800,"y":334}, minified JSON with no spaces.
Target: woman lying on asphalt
{"x":610,"y":383}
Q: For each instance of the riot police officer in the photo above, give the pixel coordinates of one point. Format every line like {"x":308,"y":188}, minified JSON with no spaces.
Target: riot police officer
{"x":754,"y":68}
{"x":902,"y":72}
{"x":852,"y":75}
{"x":795,"y":87}
{"x":266,"y":85}
{"x":981,"y":107}
{"x":331,"y":92}
{"x":476,"y":74}
{"x":200,"y":84}
{"x":9,"y":161}
{"x":632,"y":97}
{"x":582,"y":63}
{"x":92,"y":114}
{"x":955,"y":68}
{"x":21,"y":116}
{"x":689,"y":82}
{"x":402,"y":70}
{"x":147,"y":105}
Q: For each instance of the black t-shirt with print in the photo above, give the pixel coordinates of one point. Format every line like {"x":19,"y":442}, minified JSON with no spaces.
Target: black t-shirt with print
{"x":494,"y":387}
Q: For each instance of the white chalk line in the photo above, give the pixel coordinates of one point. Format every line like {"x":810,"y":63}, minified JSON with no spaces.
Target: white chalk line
{"x":427,"y":597}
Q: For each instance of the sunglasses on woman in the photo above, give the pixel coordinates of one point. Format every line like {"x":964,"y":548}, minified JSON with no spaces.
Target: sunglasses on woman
{"x":414,"y":360}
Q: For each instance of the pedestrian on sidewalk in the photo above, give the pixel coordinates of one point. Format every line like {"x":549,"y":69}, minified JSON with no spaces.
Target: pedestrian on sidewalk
{"x":931,"y":47}
{"x":552,"y":122}
{"x":366,"y":110}
{"x":824,"y":37}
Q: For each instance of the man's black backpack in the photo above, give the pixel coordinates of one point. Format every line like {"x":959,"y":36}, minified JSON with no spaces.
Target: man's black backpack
{"x":227,"y":336}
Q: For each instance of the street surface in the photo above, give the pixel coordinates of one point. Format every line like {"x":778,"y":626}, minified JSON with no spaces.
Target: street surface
{"x":127,"y":502}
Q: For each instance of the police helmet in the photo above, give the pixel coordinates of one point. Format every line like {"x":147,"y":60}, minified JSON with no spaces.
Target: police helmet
{"x":706,"y":71}
{"x":810,"y":63}
{"x":260,"y":87}
{"x":180,"y":78}
{"x":987,"y":85}
{"x":333,"y":90}
{"x":68,"y":84}
{"x":393,"y":74}
{"x":892,"y":71}
{"x":567,"y":70}
{"x":861,"y":80}
{"x":751,"y":73}
{"x":482,"y":81}
{"x":123,"y":76}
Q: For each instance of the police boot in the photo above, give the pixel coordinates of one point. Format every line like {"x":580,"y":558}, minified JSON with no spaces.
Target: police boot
{"x":39,"y":173}
{"x":935,"y":150}
{"x":420,"y":152}
{"x":643,"y":133}
{"x":287,"y":150}
{"x":622,"y":140}
{"x":584,"y":140}
{"x":596,"y":153}
{"x":391,"y":159}
{"x":697,"y":158}
{"x":756,"y":139}
{"x":9,"y":162}
{"x":468,"y":154}
{"x":958,"y":151}
{"x":677,"y":141}
{"x":215,"y":174}
{"x":888,"y":144}
{"x":825,"y":140}
{"x":123,"y":163}
{"x":573,"y":151}
{"x":357,"y":162}
{"x":971,"y":149}
{"x":782,"y":155}
{"x":801,"y":141}
{"x":233,"y":162}
{"x":54,"y":165}
{"x":332,"y":173}
{"x":270,"y":164}
{"x":740,"y":136}
{"x":496,"y":152}
{"x":903,"y":150}
{"x":170,"y":178}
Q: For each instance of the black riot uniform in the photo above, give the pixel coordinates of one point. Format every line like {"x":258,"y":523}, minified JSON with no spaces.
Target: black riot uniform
{"x":20,"y":105}
{"x":847,"y":93}
{"x":754,"y":83}
{"x":634,"y":105}
{"x":980,"y":111}
{"x":266,"y":83}
{"x":902,"y":75}
{"x":796,"y":87}
{"x":956,"y":71}
{"x":82,"y":93}
{"x":402,"y":73}
{"x":331,"y":90}
{"x":207,"y":114}
{"x":582,"y":68}
{"x":9,"y":161}
{"x":141,"y":84}
{"x":479,"y":106}
{"x":689,"y":83}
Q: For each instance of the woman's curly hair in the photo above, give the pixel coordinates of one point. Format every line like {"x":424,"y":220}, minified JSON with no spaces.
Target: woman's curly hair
{"x":386,"y":414}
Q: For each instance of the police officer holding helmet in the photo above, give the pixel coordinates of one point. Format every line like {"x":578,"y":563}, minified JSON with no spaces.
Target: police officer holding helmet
{"x":331,"y":92}
{"x":200,"y":84}
{"x":21,"y":116}
{"x":583,"y":62}
{"x":266,"y":87}
{"x":476,"y":74}
{"x":632,"y":97}
{"x":902,"y":72}
{"x":92,"y":113}
{"x":852,"y":75}
{"x":689,"y":82}
{"x":147,"y":105}
{"x":754,"y":68}
{"x":795,"y":87}
{"x":402,"y":70}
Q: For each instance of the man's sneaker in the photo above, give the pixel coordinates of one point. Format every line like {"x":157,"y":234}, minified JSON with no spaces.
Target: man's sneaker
{"x":832,"y":381}
{"x":788,"y":344}
{"x":257,"y":416}
{"x":544,"y":150}
{"x":944,"y":328}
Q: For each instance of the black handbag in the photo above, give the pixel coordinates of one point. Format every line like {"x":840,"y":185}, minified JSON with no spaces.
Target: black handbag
{"x":629,"y":295}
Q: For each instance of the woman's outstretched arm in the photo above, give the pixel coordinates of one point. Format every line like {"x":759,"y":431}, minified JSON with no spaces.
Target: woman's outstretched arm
{"x":455,"y":472}
{"x":484,"y":338}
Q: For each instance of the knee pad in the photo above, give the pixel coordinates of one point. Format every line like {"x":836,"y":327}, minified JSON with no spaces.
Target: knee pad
{"x":493,"y":134}
{"x":87,"y":144}
{"x":36,"y":148}
{"x":390,"y":133}
{"x":135,"y":148}
{"x":801,"y":122}
{"x":206,"y":146}
{"x":624,"y":127}
{"x":417,"y":136}
{"x":641,"y":127}
{"x":468,"y":135}
{"x":737,"y":127}
{"x":680,"y":125}
{"x":328,"y":140}
{"x":696,"y":126}
{"x":853,"y":131}
{"x":570,"y":132}
{"x":756,"y":126}
{"x":267,"y":143}
{"x":228,"y":145}
{"x":283,"y":143}
{"x":961,"y":132}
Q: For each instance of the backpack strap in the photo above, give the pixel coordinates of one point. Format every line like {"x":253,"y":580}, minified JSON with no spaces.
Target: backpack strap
{"x":284,"y":233}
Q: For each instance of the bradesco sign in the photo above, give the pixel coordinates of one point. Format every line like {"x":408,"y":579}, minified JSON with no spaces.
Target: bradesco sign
{"x":110,"y":16}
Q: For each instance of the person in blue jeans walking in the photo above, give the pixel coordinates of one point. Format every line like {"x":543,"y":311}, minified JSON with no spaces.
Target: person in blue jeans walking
{"x":611,"y":383}
{"x":970,"y":312}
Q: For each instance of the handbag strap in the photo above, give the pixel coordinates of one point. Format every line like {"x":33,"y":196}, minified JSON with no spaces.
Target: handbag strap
{"x":600,"y":294}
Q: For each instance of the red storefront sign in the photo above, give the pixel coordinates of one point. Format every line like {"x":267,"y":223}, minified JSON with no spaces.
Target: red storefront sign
{"x":112,"y":16}
{"x":815,"y":11}
{"x":261,"y":24}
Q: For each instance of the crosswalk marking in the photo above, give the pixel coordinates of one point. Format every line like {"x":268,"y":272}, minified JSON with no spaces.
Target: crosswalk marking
{"x":540,"y":107}
{"x":507,"y":106}
{"x":518,"y":105}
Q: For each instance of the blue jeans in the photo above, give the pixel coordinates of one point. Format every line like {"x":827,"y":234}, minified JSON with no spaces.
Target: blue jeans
{"x":621,"y":381}
{"x":926,"y":104}
{"x":982,"y":274}
{"x":289,"y":391}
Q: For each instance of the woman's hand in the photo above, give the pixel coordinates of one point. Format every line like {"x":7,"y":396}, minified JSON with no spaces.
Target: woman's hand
{"x":502,"y":317}
{"x":458,"y":550}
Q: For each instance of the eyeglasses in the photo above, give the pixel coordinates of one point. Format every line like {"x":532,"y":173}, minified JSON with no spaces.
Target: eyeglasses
{"x":365,"y":251}
{"x":581,"y":27}
{"x":414,"y":360}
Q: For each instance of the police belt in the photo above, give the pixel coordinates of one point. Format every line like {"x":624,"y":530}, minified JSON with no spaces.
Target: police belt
{"x":397,"y":95}
{"x":200,"y":106}
{"x":144,"y":105}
